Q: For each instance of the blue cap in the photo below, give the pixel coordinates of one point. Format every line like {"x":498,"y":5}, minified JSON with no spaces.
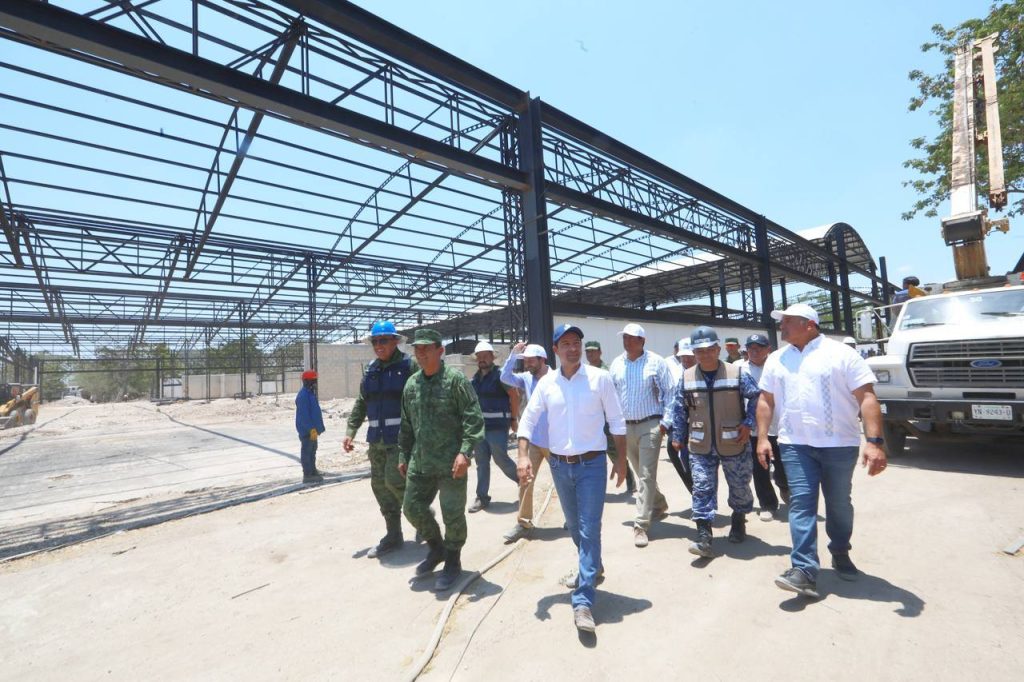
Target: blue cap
{"x":564,"y":329}
{"x":383,"y":328}
{"x":759,"y":339}
{"x":703,"y":337}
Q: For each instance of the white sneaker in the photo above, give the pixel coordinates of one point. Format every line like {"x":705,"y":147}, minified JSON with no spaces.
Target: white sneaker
{"x":766,"y":515}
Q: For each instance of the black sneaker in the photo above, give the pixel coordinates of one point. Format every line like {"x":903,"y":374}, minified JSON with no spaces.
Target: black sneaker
{"x":844,"y":567}
{"x":795,"y":580}
{"x":738,"y":531}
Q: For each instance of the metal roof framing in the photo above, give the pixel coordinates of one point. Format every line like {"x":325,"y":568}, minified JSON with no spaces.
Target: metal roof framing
{"x":183,"y":172}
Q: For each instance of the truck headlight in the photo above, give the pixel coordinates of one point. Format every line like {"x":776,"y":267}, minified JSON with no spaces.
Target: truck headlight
{"x":882,"y":375}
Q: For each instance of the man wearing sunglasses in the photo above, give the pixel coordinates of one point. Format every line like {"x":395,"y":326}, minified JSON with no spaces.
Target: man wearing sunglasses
{"x":380,"y":403}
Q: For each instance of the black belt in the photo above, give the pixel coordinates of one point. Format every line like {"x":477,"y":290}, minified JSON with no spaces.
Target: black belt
{"x":645,"y":419}
{"x":576,"y":459}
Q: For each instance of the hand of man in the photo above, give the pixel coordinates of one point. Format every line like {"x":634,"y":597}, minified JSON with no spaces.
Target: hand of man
{"x":519,"y":347}
{"x":744,"y":434}
{"x":874,"y":459}
{"x":764,"y":452}
{"x":619,"y":471}
{"x":677,"y":445}
{"x":346,"y":444}
{"x":662,"y":429}
{"x":402,"y":469}
{"x":461,"y":466}
{"x":312,"y":434}
{"x":513,"y":426}
{"x":525,"y":471}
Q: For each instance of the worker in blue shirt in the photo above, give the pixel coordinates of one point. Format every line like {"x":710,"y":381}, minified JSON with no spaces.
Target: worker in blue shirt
{"x":309,"y":422}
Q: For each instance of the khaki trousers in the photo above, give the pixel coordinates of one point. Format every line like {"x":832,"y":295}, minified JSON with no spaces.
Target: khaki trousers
{"x":643,"y":447}
{"x":537,"y":456}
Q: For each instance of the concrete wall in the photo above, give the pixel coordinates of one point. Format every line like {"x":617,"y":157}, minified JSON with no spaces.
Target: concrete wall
{"x":340,"y":367}
{"x":221,"y":385}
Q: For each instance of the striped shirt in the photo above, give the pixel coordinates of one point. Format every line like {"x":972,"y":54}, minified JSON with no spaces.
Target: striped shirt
{"x":645,"y":385}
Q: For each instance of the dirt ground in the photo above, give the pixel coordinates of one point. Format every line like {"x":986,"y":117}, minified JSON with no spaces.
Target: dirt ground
{"x":280,"y":588}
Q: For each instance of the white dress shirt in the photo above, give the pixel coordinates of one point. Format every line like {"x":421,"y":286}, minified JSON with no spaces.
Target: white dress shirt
{"x":756,"y":372}
{"x":813,"y":392}
{"x":576,"y":411}
{"x":645,"y":385}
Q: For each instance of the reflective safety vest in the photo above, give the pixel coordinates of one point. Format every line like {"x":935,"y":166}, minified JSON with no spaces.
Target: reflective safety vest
{"x":715,"y":414}
{"x":382,"y":387}
{"x":494,"y":402}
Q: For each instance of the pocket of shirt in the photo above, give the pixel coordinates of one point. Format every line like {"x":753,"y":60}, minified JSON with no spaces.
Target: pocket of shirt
{"x":729,"y":432}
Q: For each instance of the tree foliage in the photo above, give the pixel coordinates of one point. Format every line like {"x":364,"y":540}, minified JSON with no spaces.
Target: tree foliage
{"x":933,"y":168}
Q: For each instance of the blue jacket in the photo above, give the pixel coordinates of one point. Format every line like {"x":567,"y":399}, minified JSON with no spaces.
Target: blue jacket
{"x":494,"y":400}
{"x":307,"y":413}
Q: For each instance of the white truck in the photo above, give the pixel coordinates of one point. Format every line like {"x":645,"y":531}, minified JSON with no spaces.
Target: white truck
{"x":954,"y":367}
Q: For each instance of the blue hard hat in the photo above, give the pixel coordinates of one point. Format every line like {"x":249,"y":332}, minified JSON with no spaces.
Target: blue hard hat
{"x":703,"y":337}
{"x":383,"y":328}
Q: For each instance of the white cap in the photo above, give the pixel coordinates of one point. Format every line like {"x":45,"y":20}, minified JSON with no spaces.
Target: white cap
{"x":633,"y":329}
{"x":483,"y":346}
{"x":534,"y":351}
{"x":683,"y":346}
{"x":797,"y":310}
{"x":850,"y":341}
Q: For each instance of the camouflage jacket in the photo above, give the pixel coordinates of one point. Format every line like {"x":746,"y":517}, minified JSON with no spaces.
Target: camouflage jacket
{"x":441,"y":417}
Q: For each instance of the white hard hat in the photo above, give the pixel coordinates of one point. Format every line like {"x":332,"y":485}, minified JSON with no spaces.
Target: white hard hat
{"x":483,"y":346}
{"x":534,"y":351}
{"x":633,"y":329}
{"x":850,"y":341}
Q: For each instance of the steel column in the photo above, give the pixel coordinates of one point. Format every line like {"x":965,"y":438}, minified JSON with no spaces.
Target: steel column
{"x":536,"y":258}
{"x":764,"y":278}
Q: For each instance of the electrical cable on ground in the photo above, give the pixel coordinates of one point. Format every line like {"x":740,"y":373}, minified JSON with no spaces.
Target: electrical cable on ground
{"x":435,"y":639}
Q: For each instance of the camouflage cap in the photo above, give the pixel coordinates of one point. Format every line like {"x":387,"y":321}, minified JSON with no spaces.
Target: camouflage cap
{"x":426,"y":336}
{"x":592,"y":345}
{"x":732,"y":339}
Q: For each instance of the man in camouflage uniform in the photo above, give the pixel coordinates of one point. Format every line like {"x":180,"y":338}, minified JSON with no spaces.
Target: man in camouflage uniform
{"x":380,"y":403}
{"x":441,"y":425}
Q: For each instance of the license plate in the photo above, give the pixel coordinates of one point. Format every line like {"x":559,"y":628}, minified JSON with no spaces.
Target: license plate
{"x":1000,"y":412}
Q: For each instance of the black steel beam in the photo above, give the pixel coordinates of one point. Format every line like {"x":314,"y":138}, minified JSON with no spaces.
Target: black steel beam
{"x":60,"y":28}
{"x":764,"y":279}
{"x":574,"y":309}
{"x":536,"y":258}
{"x":844,"y":281}
{"x":373,"y":31}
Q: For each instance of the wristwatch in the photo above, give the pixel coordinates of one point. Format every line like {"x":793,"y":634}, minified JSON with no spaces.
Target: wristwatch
{"x":875,"y":441}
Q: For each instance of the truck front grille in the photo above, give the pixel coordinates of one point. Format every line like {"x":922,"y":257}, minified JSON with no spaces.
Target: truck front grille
{"x":948,"y":363}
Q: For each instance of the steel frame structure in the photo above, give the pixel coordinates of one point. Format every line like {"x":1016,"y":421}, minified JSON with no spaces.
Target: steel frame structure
{"x":186,"y":172}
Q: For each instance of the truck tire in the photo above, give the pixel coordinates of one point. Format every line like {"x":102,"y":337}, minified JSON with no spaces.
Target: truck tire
{"x":895,"y":435}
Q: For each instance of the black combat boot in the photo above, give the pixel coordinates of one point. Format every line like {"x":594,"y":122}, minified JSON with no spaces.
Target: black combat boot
{"x":435,"y":555}
{"x":702,"y":547}
{"x":738,"y":532}
{"x":392,"y":541}
{"x":451,"y":572}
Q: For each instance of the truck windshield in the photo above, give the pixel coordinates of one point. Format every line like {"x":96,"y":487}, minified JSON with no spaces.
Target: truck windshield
{"x":980,"y":308}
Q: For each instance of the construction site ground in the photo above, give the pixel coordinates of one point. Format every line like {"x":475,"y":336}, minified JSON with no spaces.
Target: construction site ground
{"x":174,"y":542}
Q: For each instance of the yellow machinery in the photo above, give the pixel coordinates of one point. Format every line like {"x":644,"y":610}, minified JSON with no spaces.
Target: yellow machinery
{"x":21,"y":409}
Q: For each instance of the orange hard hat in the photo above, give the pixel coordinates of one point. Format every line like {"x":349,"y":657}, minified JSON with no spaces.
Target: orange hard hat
{"x":309,"y":375}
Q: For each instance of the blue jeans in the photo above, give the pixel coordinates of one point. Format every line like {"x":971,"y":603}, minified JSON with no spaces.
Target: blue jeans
{"x":581,"y":489}
{"x":494,"y":445}
{"x":307,"y":455}
{"x":808,"y":469}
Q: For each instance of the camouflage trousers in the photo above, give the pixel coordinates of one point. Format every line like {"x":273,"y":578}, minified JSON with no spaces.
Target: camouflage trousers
{"x":738,"y":472}
{"x":420,"y":490}
{"x":386,"y":482}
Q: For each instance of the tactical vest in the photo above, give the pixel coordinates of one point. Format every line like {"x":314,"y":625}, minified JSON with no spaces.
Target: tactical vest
{"x":382,"y":387}
{"x":494,"y":402}
{"x":715,"y":415}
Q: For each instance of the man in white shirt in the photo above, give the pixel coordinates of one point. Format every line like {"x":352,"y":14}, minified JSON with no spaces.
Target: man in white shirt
{"x":758,"y":348}
{"x":577,"y":400}
{"x":645,"y":387}
{"x":818,"y":386}
{"x":535,"y":361}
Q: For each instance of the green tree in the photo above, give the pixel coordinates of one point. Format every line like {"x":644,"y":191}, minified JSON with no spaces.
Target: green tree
{"x":933,"y":184}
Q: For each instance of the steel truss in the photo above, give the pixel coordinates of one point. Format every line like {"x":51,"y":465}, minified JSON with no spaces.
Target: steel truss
{"x":297,"y":169}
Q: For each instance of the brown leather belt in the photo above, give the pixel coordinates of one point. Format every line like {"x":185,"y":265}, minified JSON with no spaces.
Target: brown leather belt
{"x":576,"y":459}
{"x":645,"y":419}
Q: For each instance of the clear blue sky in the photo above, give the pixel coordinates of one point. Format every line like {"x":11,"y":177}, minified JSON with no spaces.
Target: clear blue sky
{"x":796,"y":109}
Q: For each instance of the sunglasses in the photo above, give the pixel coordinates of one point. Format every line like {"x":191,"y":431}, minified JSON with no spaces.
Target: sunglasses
{"x":382,"y":341}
